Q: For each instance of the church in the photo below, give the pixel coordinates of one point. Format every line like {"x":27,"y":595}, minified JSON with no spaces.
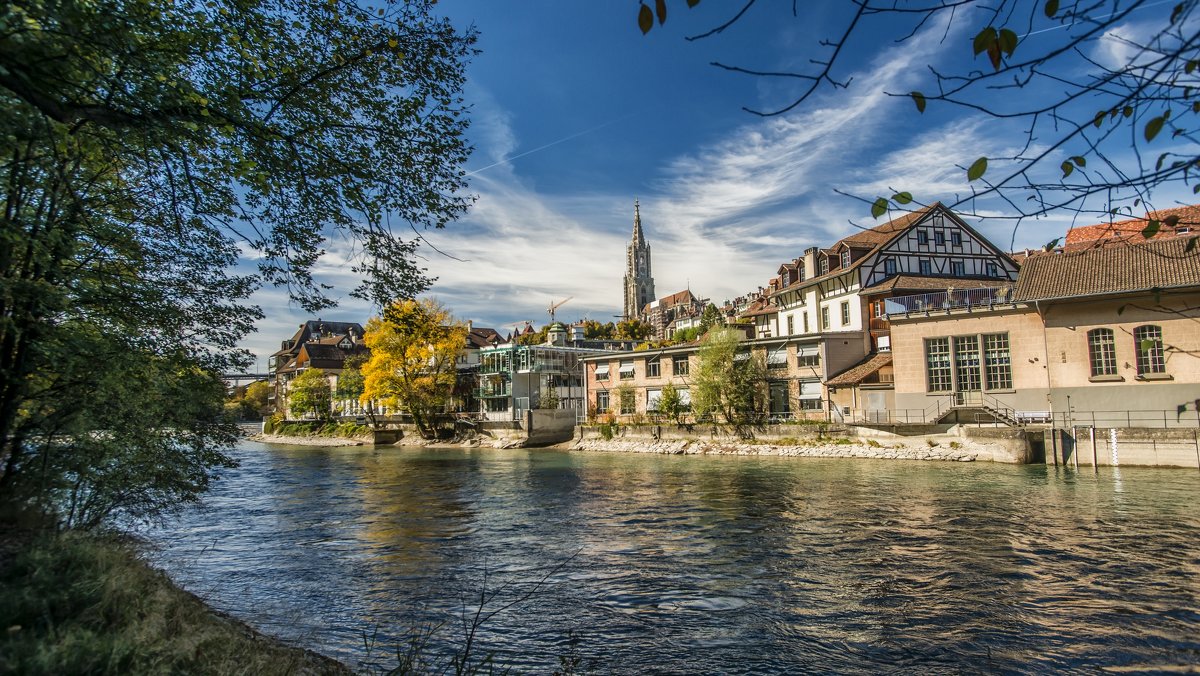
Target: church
{"x":639,"y":285}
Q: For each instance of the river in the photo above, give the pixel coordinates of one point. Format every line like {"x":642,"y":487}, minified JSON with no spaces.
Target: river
{"x":684,"y":564}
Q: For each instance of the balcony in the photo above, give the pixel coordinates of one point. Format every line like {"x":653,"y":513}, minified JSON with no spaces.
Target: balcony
{"x":947,"y":300}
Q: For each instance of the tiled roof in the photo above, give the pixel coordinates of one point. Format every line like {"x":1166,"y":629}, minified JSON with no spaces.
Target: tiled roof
{"x":1130,"y":231}
{"x":857,"y":373}
{"x":482,"y":337}
{"x":915,"y":283}
{"x":759,"y":307}
{"x":1115,"y":269}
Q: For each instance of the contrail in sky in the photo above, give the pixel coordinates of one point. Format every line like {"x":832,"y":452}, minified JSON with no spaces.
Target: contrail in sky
{"x":548,"y":145}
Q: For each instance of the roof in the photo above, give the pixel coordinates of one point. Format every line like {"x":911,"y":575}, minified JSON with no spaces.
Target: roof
{"x":1130,"y":231}
{"x":872,"y":238}
{"x":761,"y":306}
{"x":859,"y":372}
{"x":916,"y":283}
{"x":483,"y":337}
{"x":1161,"y":264}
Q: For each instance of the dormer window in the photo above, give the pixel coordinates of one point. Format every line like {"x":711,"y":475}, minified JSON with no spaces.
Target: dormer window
{"x":846,"y":258}
{"x":823,"y":265}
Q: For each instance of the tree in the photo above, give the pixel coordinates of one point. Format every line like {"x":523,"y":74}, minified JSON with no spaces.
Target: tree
{"x":310,"y":394}
{"x":256,"y":398}
{"x":686,"y":335}
{"x":728,"y":381}
{"x":626,"y":399}
{"x":1105,"y":97}
{"x":670,"y":403}
{"x":633,"y":329}
{"x":594,"y":330}
{"x":711,"y":317}
{"x":147,"y":145}
{"x":414,"y":350}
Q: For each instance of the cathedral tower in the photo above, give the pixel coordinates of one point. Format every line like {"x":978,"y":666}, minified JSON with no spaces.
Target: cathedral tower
{"x":639,"y":285}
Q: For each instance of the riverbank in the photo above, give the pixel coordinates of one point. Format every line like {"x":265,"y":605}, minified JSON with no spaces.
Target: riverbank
{"x":77,"y":603}
{"x":305,"y":440}
{"x":831,"y":448}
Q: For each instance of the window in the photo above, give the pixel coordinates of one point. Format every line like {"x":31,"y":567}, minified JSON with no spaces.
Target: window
{"x":993,"y":270}
{"x":653,"y":368}
{"x":889,"y":266}
{"x":810,"y":404}
{"x":602,"y":372}
{"x":922,"y":238}
{"x":777,"y":358}
{"x":825,"y":318}
{"x":810,"y":395}
{"x":628,"y":400}
{"x":808,"y":355}
{"x":1102,"y":352}
{"x":805,"y":316}
{"x":679,"y":366}
{"x":939,"y":238}
{"x":602,"y":401}
{"x":789,"y":325}
{"x":997,"y":365}
{"x":652,"y":398}
{"x":846,"y":258}
{"x":1148,"y":342}
{"x":626,"y":370}
{"x":823,"y":265}
{"x":958,"y":268}
{"x":937,"y":364}
{"x":845,"y":313}
{"x":956,"y":238}
{"x":966,"y":363}
{"x":925,"y":267}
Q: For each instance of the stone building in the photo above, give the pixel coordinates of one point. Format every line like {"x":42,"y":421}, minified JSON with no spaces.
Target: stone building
{"x":639,"y":283}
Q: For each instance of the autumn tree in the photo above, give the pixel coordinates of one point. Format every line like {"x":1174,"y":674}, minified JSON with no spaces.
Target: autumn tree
{"x":144,"y":147}
{"x":414,"y":350}
{"x":310,"y":395}
{"x":633,"y":329}
{"x":1101,"y":97}
{"x":728,"y":381}
{"x":670,"y":403}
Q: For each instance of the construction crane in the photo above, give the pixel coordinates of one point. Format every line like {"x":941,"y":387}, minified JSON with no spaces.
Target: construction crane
{"x":554,"y":306}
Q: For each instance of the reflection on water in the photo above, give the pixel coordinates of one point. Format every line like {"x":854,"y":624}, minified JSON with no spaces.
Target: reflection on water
{"x":685,"y":564}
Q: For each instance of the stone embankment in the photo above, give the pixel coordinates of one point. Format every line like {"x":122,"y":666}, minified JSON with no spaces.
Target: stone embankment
{"x":815,"y":448}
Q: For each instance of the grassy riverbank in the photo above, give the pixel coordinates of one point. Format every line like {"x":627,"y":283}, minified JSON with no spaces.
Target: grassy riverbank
{"x":77,"y":603}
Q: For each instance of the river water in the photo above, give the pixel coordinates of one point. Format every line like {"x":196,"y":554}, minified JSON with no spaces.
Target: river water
{"x":676,"y":564}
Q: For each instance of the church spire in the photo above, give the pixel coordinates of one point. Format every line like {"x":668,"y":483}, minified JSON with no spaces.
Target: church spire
{"x":637,"y":224}
{"x":639,"y":285}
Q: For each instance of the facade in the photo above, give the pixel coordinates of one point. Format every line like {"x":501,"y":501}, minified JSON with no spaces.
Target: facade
{"x":517,"y":378}
{"x":1103,"y":336}
{"x":639,"y":283}
{"x":671,"y":313}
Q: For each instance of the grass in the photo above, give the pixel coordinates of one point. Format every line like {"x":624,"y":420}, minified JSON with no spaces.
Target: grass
{"x":316,"y":429}
{"x":75,"y":603}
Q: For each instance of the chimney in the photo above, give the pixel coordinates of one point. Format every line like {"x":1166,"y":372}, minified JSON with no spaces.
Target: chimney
{"x":810,"y":262}
{"x":470,"y":326}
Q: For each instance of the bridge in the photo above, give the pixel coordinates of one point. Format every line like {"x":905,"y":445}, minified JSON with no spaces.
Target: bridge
{"x":239,"y":379}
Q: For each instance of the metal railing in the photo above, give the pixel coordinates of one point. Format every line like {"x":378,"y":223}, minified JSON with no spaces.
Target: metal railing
{"x":947,"y":300}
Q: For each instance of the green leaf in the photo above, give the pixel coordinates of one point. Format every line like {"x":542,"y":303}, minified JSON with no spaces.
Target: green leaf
{"x":879,"y":207}
{"x":977,"y":169}
{"x":985,"y":39}
{"x":1127,"y":111}
{"x":1196,"y":107}
{"x":1190,"y":66}
{"x":1180,"y":410}
{"x":919,"y":99}
{"x":1099,"y":119}
{"x":1151,"y":228}
{"x":1007,"y":41}
{"x":1067,"y":168}
{"x":1153,"y":127}
{"x":1079,"y":161}
{"x":1051,"y":8}
{"x":645,"y":19}
{"x":1049,"y":246}
{"x":660,"y":8}
{"x":1191,"y":245}
{"x":993,"y":53}
{"x":902,"y":197}
{"x":1161,"y":158}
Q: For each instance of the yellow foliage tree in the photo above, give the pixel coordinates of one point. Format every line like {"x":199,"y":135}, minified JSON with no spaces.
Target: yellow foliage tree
{"x":414,"y":347}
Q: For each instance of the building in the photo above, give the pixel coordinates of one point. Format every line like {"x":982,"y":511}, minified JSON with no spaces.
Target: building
{"x":673,"y":312}
{"x":316,"y":344}
{"x":639,"y":283}
{"x":516,"y":378}
{"x":1105,"y":336}
{"x":1177,"y":222}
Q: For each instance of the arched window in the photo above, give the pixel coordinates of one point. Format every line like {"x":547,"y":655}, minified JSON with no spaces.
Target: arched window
{"x":1102,"y":352}
{"x":1148,"y":343}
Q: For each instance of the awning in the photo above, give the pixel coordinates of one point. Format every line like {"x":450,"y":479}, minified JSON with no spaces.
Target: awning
{"x":602,"y":370}
{"x":626,"y":367}
{"x":810,"y":389}
{"x":777,"y":356}
{"x":808,"y":351}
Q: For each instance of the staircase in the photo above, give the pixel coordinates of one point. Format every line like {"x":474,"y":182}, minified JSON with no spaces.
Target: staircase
{"x":965,"y":403}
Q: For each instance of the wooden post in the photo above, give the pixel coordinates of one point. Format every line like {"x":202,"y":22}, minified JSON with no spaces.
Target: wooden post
{"x":1095,"y":461}
{"x":1054,"y":446}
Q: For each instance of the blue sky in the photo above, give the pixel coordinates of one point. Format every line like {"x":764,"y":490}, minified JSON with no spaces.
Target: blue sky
{"x":576,"y":114}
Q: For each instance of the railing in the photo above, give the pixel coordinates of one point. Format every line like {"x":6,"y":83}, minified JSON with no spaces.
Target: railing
{"x":947,"y":300}
{"x":1107,"y":419}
